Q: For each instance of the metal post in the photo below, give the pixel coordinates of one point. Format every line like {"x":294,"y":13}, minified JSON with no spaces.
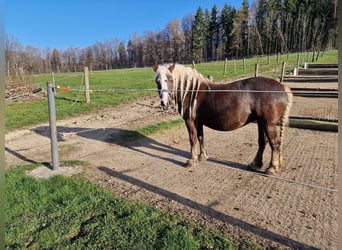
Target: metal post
{"x":53,"y":128}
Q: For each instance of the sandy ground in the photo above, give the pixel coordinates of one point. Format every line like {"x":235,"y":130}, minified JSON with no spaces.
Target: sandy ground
{"x":298,"y":210}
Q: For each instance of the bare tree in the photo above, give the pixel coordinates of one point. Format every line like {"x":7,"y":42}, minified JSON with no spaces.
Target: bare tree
{"x":175,"y":38}
{"x":56,"y":60}
{"x":12,"y":49}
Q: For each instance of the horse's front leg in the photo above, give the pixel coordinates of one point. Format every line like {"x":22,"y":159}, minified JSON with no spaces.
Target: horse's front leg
{"x":256,"y":164}
{"x":193,"y":141}
{"x":203,"y":156}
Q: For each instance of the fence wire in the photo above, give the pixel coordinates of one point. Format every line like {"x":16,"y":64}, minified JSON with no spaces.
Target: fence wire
{"x":308,"y":92}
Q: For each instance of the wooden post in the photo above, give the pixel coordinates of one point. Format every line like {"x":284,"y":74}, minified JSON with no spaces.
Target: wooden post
{"x":244,"y":63}
{"x":193,"y":65}
{"x":225,"y":67}
{"x":268,"y":59}
{"x":317,"y":55}
{"x":256,"y":69}
{"x":86,"y":84}
{"x":53,"y":83}
{"x":234,"y":65}
{"x":298,"y":59}
{"x":282,"y":71}
{"x":313,"y":55}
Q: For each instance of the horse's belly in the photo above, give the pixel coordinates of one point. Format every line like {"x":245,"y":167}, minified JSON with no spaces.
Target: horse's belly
{"x":227,"y":122}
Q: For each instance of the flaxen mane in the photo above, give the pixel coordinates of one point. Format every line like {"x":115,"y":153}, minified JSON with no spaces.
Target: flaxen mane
{"x":186,"y":80}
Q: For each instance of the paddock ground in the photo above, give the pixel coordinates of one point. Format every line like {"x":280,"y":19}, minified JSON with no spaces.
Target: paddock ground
{"x":298,"y":211}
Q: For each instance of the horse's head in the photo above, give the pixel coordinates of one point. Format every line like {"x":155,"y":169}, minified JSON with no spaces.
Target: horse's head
{"x":164,"y":80}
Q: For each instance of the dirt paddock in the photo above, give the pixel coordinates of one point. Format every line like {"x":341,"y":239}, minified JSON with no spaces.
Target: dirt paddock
{"x":296,"y":211}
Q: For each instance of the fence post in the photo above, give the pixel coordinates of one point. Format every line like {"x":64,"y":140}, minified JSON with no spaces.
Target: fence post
{"x":86,"y":84}
{"x":244,"y":64}
{"x":313,"y":55}
{"x":256,"y":70}
{"x":282,"y":71}
{"x":53,"y":82}
{"x":298,"y":59}
{"x":53,"y":128}
{"x":234,"y":65}
{"x":225,"y":67}
{"x":317,"y":55}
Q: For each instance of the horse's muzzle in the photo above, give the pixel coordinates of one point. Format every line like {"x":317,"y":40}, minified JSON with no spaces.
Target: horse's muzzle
{"x":164,"y":105}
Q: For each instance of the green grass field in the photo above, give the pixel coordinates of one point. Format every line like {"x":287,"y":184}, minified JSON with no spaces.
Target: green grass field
{"x":73,"y":213}
{"x":109,"y":86}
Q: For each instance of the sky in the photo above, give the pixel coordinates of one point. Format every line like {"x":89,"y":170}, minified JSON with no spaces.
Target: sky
{"x":63,"y":24}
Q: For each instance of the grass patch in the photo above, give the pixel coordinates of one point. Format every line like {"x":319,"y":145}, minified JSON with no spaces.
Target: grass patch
{"x":73,"y":213}
{"x":141,"y":133}
{"x":127,"y":136}
{"x":110,"y":87}
{"x":154,"y":128}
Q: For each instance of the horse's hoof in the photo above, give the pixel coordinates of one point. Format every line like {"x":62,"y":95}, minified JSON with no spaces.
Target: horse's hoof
{"x":202,"y":158}
{"x":254,"y":167}
{"x":271,"y":171}
{"x":189,"y":164}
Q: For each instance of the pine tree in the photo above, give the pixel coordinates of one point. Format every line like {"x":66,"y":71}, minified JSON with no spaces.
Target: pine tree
{"x":213,"y":35}
{"x":198,"y":36}
{"x":227,"y":17}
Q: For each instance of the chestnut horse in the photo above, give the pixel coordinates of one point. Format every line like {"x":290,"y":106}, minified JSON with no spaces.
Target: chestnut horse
{"x":227,"y":107}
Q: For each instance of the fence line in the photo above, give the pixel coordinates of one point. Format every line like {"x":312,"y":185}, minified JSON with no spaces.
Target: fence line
{"x":208,"y":90}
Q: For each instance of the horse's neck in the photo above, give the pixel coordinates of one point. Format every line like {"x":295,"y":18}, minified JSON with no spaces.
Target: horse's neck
{"x":187,"y":93}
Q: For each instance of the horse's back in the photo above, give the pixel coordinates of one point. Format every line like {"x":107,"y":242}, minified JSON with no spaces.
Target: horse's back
{"x":259,"y":88}
{"x":235,"y":104}
{"x":255,"y":83}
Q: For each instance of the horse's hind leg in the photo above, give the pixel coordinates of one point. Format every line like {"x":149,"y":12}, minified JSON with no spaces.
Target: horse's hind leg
{"x":256,"y":164}
{"x":275,"y":164}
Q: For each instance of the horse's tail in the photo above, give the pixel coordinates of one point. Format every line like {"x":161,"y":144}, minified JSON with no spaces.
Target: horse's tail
{"x":285,"y":117}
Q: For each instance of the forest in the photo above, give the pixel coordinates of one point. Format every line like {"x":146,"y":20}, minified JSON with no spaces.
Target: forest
{"x":264,"y":27}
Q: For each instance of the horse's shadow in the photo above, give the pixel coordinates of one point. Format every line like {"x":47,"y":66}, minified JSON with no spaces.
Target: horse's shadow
{"x":132,"y":140}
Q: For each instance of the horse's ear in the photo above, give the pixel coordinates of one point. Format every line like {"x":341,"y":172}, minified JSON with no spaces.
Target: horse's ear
{"x":172,"y":67}
{"x":155,"y":67}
